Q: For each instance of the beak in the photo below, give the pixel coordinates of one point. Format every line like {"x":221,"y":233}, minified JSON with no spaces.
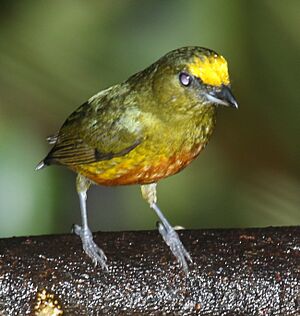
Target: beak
{"x":223,"y":97}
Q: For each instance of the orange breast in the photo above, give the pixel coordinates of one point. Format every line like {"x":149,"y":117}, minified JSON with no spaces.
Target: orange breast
{"x":144,"y":172}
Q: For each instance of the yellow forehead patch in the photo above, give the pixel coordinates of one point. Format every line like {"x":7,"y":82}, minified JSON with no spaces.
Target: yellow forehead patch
{"x":211,"y":70}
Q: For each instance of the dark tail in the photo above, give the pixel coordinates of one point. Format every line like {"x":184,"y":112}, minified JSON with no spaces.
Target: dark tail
{"x":41,"y":165}
{"x":45,"y":162}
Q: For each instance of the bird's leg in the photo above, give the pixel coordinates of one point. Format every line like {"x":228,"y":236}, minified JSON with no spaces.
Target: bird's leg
{"x":166,"y":230}
{"x":89,"y":246}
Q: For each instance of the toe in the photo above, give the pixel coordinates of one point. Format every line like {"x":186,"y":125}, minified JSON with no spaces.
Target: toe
{"x":90,"y":247}
{"x":77,"y":230}
{"x":171,"y":238}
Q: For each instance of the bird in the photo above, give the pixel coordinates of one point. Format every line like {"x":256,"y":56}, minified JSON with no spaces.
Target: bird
{"x":147,"y":128}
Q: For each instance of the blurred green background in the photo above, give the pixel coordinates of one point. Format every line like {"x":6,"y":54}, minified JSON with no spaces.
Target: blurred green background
{"x":55,"y":54}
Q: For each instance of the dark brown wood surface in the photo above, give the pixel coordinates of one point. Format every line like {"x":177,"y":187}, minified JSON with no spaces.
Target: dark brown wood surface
{"x":235,"y":272}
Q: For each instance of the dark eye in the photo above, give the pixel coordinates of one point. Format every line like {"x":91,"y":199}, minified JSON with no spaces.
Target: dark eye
{"x":185,"y":79}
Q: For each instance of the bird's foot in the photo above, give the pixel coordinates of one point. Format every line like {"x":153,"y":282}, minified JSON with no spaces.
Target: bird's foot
{"x":90,"y":247}
{"x":172,"y":240}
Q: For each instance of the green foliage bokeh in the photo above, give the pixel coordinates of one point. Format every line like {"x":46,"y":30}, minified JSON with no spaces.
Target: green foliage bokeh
{"x":56,"y":54}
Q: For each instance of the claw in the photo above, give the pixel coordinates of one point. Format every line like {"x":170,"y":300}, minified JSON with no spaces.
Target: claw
{"x":172,"y":240}
{"x":90,"y":247}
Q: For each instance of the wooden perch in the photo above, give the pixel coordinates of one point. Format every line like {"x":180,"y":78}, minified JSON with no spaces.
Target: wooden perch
{"x":235,"y":272}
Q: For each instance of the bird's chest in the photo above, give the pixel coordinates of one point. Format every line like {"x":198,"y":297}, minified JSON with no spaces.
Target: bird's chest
{"x":162,"y":153}
{"x":141,"y":167}
{"x":147,"y":163}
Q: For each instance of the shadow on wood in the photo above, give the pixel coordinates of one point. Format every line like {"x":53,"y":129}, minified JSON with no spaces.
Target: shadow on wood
{"x":235,"y":272}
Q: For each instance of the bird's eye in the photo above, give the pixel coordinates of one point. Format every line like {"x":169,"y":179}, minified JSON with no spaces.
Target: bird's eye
{"x":185,"y":79}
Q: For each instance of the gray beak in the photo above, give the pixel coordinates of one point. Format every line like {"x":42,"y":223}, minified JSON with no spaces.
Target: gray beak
{"x":223,"y":96}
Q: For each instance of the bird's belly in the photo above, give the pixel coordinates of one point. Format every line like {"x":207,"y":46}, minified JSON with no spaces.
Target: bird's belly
{"x":137,"y":168}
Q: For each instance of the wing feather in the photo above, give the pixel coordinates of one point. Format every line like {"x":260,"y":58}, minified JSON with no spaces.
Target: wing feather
{"x":98,"y":130}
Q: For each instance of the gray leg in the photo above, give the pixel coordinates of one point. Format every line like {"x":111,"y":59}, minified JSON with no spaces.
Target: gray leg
{"x":89,"y":246}
{"x":166,"y":230}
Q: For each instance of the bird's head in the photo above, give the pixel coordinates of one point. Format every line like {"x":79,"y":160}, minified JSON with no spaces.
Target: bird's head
{"x":191,"y":78}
